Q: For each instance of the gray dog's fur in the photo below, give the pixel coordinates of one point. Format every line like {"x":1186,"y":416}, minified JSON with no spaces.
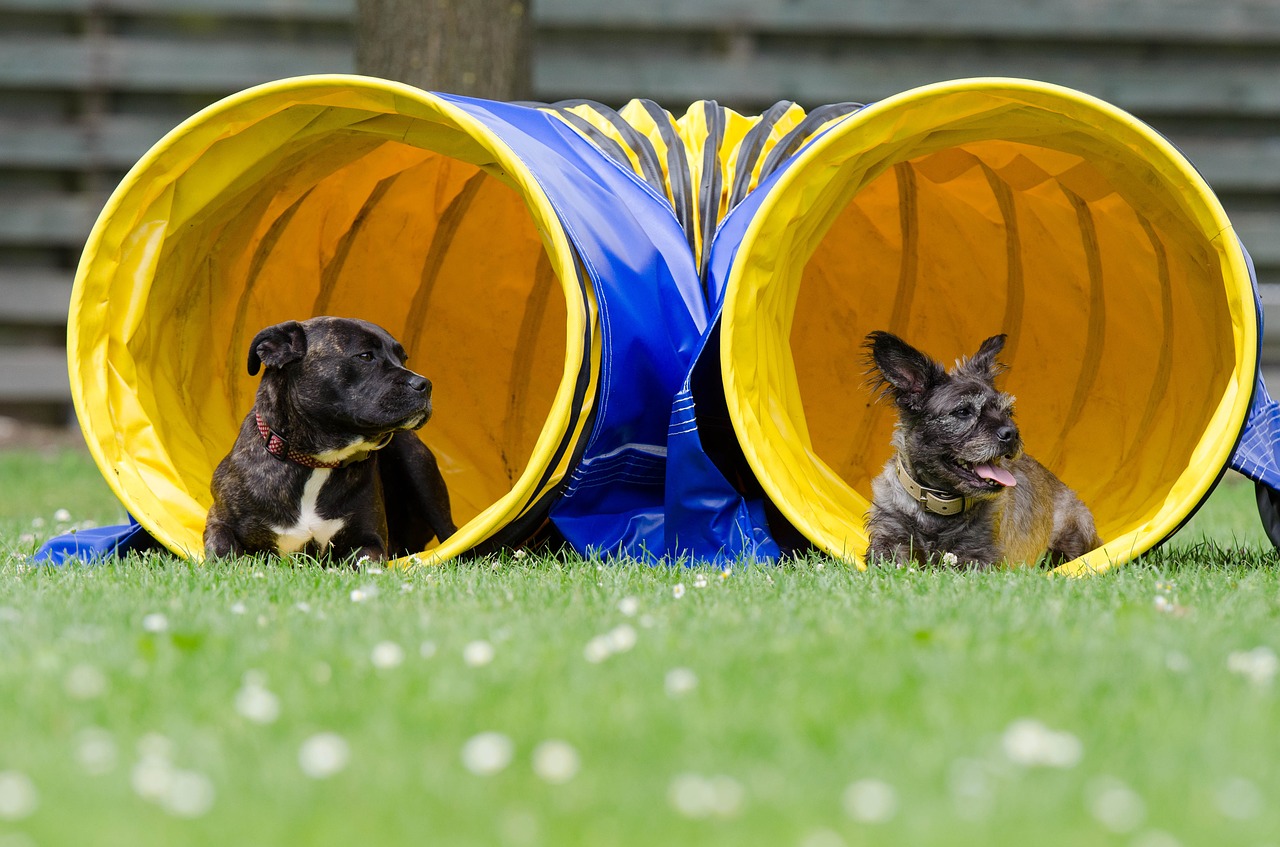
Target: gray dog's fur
{"x":956,"y":436}
{"x":334,"y":391}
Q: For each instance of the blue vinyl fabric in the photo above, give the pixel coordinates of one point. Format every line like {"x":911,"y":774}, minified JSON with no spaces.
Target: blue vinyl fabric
{"x":714,"y":509}
{"x":93,"y":545}
{"x":710,"y":517}
{"x":1258,"y":454}
{"x":652,"y":318}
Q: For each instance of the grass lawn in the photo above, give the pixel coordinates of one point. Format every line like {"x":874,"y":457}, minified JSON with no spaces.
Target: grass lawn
{"x":522,"y":701}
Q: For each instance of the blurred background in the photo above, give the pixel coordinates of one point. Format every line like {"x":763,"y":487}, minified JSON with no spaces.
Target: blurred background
{"x":87,"y":86}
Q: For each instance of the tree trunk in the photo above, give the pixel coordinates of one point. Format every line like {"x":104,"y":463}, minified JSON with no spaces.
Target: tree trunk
{"x":479,"y":48}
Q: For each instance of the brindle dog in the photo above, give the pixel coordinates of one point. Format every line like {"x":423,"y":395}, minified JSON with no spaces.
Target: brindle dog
{"x":326,"y":462}
{"x":959,"y":488}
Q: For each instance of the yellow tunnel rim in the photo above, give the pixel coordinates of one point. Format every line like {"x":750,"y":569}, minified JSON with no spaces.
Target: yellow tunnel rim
{"x":882,"y":123}
{"x":96,"y":417}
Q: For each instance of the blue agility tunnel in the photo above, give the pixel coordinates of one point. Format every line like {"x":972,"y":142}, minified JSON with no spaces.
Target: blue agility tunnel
{"x":644,"y":329}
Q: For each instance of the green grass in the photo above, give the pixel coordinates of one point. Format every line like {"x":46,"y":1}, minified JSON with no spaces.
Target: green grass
{"x":830,"y":707}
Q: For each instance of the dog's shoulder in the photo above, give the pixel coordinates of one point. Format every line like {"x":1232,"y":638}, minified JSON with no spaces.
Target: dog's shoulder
{"x":887,"y":494}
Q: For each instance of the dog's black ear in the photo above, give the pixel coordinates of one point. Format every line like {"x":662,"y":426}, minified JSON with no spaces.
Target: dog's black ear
{"x":277,"y":346}
{"x":900,"y":370}
{"x":983,"y":363}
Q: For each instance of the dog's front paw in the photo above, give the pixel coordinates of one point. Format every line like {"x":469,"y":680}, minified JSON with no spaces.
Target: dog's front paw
{"x":220,"y":542}
{"x":371,"y":554}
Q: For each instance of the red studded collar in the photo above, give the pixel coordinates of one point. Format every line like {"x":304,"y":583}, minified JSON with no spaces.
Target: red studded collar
{"x":278,"y":447}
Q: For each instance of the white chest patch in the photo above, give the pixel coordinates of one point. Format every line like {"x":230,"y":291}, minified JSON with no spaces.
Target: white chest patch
{"x":310,"y":526}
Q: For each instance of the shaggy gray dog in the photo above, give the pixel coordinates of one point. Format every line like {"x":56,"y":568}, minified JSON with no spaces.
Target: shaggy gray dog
{"x":959,"y":488}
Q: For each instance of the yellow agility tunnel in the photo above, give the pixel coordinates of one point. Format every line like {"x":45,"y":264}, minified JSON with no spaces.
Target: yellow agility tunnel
{"x":470,"y":230}
{"x":644,"y":331}
{"x":957,"y":211}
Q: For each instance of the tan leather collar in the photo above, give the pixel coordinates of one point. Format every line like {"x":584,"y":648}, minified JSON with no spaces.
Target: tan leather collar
{"x":933,"y":500}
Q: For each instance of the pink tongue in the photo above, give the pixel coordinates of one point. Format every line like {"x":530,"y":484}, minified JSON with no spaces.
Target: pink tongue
{"x":996,"y":474}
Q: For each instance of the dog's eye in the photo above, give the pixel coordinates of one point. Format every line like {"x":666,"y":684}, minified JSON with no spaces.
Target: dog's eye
{"x":365,"y":357}
{"x":963,"y":413}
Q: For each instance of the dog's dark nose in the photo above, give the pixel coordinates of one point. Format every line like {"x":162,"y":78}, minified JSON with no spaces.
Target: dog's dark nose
{"x":419,"y":383}
{"x":1006,"y":434}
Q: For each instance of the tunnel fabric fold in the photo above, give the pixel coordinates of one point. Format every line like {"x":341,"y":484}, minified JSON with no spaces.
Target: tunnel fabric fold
{"x":706,"y":165}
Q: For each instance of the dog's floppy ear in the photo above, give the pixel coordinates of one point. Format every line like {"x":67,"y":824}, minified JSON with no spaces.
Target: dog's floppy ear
{"x":983,"y":363}
{"x":900,"y":370}
{"x":277,"y":346}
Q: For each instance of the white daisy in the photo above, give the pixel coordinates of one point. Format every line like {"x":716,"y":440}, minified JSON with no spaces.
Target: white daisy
{"x":323,"y":755}
{"x":555,"y":761}
{"x":155,"y":622}
{"x":487,"y":753}
{"x":679,"y":681}
{"x":387,"y":654}
{"x":870,"y":801}
{"x":256,"y":703}
{"x":478,"y":653}
{"x":1030,"y":743}
{"x":18,"y":796}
